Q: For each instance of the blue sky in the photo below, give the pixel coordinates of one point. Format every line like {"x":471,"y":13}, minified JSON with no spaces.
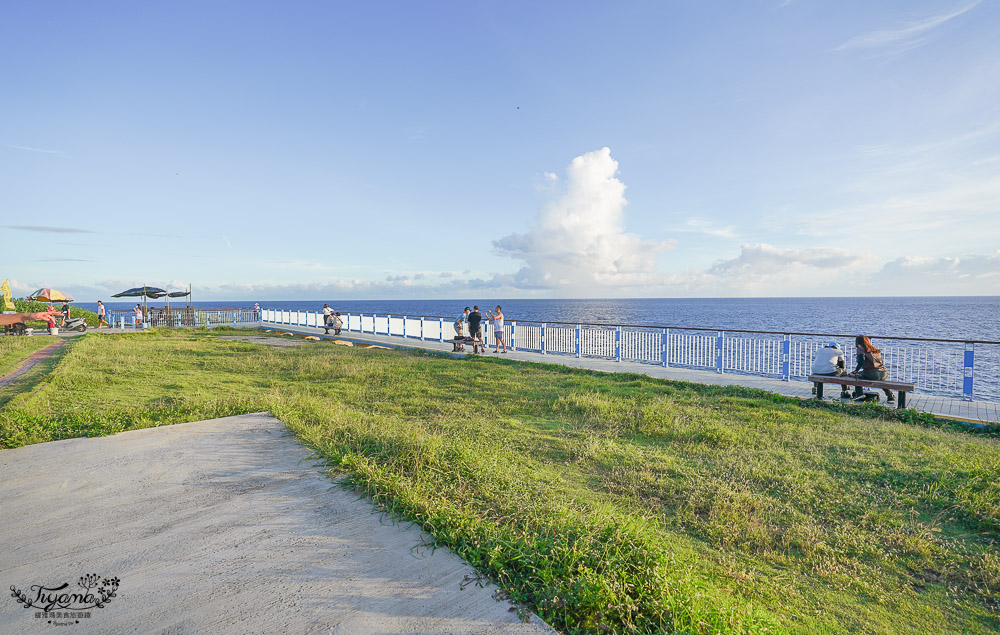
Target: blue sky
{"x":519,"y":149}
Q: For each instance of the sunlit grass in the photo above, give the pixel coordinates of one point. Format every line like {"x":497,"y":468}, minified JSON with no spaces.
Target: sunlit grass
{"x":603,"y":502}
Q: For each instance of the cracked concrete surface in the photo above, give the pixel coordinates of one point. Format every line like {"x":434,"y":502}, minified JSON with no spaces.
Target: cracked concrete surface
{"x":223,"y":526}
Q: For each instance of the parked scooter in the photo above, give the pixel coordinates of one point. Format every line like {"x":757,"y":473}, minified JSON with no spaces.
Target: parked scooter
{"x":75,"y":324}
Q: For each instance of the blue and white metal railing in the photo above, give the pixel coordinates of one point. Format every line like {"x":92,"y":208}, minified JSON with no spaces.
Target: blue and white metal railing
{"x":966,"y":369}
{"x":183,"y":317}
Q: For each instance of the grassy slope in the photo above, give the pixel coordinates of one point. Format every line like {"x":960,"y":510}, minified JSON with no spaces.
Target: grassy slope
{"x":600,"y":501}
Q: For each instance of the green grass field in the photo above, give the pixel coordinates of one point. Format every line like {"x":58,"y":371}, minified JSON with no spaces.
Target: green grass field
{"x":606,"y":503}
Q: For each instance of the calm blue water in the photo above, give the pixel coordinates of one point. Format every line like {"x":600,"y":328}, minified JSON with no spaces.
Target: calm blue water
{"x":976,"y":318}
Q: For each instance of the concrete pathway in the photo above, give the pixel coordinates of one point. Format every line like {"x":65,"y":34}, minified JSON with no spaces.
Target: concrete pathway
{"x":977,"y":411}
{"x":221,"y":526}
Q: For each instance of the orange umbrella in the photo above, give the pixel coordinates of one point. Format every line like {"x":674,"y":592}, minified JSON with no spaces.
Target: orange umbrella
{"x":50,"y":295}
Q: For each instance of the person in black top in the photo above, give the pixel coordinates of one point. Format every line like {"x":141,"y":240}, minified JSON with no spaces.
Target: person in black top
{"x":65,"y":313}
{"x":475,"y":329}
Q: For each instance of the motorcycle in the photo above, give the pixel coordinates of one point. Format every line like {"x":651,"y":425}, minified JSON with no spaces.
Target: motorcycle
{"x":75,"y":324}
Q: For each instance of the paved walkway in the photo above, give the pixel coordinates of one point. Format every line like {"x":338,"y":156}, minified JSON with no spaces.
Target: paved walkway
{"x":221,"y":526}
{"x":977,"y":411}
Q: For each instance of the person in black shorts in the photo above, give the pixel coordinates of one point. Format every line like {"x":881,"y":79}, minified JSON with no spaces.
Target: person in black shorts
{"x":476,"y":329}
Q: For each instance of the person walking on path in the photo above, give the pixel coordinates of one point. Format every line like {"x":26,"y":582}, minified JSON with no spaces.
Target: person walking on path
{"x":101,"y":314}
{"x":327,"y":319}
{"x":870,"y":366}
{"x":497,"y":329}
{"x":476,"y":330}
{"x":337,"y":323}
{"x":830,"y":361}
{"x":138,"y":316}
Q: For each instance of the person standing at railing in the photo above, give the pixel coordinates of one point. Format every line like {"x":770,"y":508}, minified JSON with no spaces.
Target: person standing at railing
{"x":497,"y":328}
{"x":870,"y":366}
{"x":327,"y":319}
{"x":830,"y":361}
{"x":138,"y":315}
{"x":476,"y":330}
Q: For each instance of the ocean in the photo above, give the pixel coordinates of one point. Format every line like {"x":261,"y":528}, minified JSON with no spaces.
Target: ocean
{"x":961,"y":318}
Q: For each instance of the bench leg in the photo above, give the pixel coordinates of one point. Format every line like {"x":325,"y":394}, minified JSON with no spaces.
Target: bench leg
{"x":819,"y":390}
{"x":901,"y":400}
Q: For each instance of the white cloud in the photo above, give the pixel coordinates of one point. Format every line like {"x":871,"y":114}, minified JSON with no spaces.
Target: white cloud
{"x":906,"y":36}
{"x":46,"y":229}
{"x":761,"y":258}
{"x":948,"y":209}
{"x":973,"y":274}
{"x":578,"y":241}
{"x":701,"y":226}
{"x":40,"y":150}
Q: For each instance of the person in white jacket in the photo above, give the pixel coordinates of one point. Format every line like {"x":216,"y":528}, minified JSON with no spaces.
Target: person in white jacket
{"x":830,"y":361}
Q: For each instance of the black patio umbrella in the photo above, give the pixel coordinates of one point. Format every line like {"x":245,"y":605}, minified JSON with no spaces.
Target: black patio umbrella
{"x":142,"y":292}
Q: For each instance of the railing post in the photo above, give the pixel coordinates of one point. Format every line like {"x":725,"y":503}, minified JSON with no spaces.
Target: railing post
{"x":421,"y":328}
{"x":786,"y":348}
{"x":618,"y":343}
{"x":719,"y":343}
{"x":404,"y":327}
{"x":441,"y":329}
{"x":388,"y":325}
{"x":578,"y":340}
{"x":513,"y":331}
{"x":970,"y":361}
{"x":543,"y":338}
{"x":665,"y":347}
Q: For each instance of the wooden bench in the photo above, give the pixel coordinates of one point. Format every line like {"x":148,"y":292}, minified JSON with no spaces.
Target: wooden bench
{"x":847,"y":380}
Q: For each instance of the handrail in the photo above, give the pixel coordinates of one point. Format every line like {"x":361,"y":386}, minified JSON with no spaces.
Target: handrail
{"x":687,"y":328}
{"x":953,"y":367}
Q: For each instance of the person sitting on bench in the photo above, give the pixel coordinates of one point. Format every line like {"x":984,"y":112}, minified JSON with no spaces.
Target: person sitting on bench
{"x":830,"y":361}
{"x":870,"y":366}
